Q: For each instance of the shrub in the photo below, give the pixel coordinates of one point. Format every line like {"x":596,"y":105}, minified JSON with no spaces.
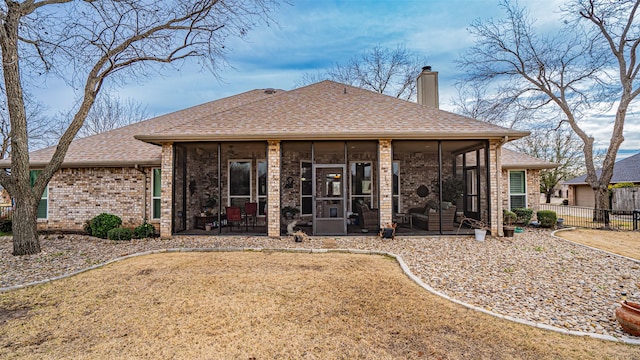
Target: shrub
{"x":101,"y":224}
{"x":6,"y":226}
{"x":524,"y":215}
{"x":144,"y":231}
{"x":547,"y":218}
{"x":508,"y":217}
{"x":565,"y":202}
{"x":119,"y":234}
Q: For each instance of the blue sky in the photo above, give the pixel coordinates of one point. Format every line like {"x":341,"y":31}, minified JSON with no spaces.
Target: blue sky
{"x":310,"y":36}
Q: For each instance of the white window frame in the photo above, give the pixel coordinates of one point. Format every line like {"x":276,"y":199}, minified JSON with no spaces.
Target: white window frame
{"x":153,"y":197}
{"x":526,"y":200}
{"x":229,"y":196}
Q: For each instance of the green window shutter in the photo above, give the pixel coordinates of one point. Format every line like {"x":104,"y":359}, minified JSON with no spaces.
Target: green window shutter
{"x":516,"y":182}
{"x":42,"y":209}
{"x":518,"y":202}
{"x":156,"y":209}
{"x":33,"y":175}
{"x":43,"y":204}
{"x":157,"y":181}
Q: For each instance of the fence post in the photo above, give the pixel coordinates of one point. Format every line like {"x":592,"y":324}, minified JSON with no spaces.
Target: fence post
{"x":636,"y":218}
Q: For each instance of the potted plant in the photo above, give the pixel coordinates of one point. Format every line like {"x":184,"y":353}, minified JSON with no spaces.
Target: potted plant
{"x":289,"y":212}
{"x":508,"y":218}
{"x":210,"y":204}
{"x":452,"y":188}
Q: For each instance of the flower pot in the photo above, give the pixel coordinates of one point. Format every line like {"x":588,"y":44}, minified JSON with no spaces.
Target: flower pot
{"x":628,"y":316}
{"x":480,"y":234}
{"x":560,"y":222}
{"x":508,"y":231}
{"x":207,"y":227}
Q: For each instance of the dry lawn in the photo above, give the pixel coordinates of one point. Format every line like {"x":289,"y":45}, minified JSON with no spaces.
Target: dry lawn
{"x":625,"y":243}
{"x":264,"y":305}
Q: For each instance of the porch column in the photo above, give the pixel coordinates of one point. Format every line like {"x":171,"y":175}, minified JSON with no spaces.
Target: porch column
{"x":495,"y":176}
{"x":273,"y":188}
{"x":166,"y":191}
{"x":385,"y":159}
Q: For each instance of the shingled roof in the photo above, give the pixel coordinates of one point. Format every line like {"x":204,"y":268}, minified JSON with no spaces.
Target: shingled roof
{"x":331,"y":111}
{"x":321,"y":111}
{"x":118,"y":147}
{"x":625,"y":170}
{"x":516,"y":160}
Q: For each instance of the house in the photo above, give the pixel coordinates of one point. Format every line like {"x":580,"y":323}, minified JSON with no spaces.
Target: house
{"x":625,"y":170}
{"x":332,"y":151}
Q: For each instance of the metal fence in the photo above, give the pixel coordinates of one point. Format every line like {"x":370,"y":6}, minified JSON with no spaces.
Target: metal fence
{"x":6,"y":211}
{"x":591,"y":218}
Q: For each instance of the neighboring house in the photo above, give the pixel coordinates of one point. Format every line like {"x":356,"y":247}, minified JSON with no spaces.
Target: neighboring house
{"x":327,"y":149}
{"x":625,"y":170}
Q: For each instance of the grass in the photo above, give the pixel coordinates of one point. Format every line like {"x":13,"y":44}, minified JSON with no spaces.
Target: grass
{"x":626,"y":243}
{"x":260,"y":305}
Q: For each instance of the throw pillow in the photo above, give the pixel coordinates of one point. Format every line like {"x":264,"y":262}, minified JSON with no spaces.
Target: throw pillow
{"x":446,"y":205}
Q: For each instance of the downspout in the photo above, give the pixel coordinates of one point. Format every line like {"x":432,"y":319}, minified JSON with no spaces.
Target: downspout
{"x":144,"y":191}
{"x":499,"y":184}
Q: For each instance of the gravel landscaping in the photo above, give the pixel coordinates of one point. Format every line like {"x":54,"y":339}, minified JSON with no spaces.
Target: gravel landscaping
{"x":533,"y":276}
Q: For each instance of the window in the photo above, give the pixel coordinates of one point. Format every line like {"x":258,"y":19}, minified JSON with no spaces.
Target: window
{"x":396,"y":186}
{"x":261,"y":175}
{"x":306,"y":188}
{"x":239,"y":182}
{"x":360,"y":184}
{"x":156,"y":193}
{"x":517,"y":190}
{"x":43,"y":205}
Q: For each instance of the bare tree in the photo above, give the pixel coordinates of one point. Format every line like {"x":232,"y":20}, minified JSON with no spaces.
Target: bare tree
{"x":38,"y":128}
{"x":87,"y":43}
{"x":108,"y":112}
{"x":589,"y":66}
{"x":559,"y":146}
{"x":386,"y":71}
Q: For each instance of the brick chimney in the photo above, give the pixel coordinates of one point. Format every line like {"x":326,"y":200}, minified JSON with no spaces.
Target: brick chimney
{"x":428,"y":87}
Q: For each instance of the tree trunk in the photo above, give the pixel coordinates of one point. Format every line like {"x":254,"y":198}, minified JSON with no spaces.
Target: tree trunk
{"x":601,"y":211}
{"x":25,"y":227}
{"x":548,"y":194}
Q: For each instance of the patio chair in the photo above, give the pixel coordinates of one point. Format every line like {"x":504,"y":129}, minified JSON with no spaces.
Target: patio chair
{"x":251,"y":212}
{"x":234,"y":215}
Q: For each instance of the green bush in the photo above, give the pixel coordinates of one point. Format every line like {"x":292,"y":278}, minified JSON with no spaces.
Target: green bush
{"x":101,"y":224}
{"x":6,"y":226}
{"x":144,"y":231}
{"x":508,"y":217}
{"x":119,"y":234}
{"x":547,"y":218}
{"x":524,"y":216}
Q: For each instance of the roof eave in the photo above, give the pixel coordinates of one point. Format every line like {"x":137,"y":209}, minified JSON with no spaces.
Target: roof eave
{"x":160,"y":139}
{"x":88,"y":164}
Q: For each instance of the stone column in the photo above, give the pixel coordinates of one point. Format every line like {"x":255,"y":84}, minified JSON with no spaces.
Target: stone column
{"x":273,"y":188}
{"x":385,"y":161}
{"x":495,"y":176}
{"x":166,"y":191}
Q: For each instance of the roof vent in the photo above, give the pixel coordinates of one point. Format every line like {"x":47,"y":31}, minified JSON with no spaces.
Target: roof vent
{"x":270,"y":91}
